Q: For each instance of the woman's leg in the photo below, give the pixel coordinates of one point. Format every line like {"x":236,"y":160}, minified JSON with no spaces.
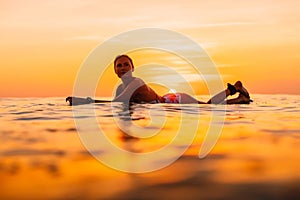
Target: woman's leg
{"x":220,"y":97}
{"x":243,"y":98}
{"x":185,"y":98}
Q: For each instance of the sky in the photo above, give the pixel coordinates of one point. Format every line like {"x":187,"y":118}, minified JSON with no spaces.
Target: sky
{"x":44,"y":43}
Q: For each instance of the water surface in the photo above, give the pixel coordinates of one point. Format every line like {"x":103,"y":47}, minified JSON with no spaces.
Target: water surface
{"x":256,"y":156}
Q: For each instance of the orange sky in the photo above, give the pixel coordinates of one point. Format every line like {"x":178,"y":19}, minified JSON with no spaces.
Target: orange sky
{"x":43,"y":43}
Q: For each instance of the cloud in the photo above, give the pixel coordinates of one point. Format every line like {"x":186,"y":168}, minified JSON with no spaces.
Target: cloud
{"x":148,"y":21}
{"x":225,"y":24}
{"x":86,"y":37}
{"x":226,"y":65}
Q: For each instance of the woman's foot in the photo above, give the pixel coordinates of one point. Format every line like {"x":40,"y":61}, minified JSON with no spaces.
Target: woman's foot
{"x":78,"y":100}
{"x":231,"y":88}
{"x":239,"y":88}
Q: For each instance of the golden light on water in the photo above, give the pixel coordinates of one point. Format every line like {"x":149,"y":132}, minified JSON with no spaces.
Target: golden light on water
{"x":42,"y":154}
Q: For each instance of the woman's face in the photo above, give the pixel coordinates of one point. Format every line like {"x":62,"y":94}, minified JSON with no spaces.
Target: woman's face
{"x":123,"y":66}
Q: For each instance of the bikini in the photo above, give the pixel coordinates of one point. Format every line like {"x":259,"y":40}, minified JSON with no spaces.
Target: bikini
{"x":167,"y":98}
{"x":172,"y":98}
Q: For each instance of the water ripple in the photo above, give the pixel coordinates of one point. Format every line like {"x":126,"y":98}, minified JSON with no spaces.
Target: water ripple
{"x":36,"y":118}
{"x":27,"y":152}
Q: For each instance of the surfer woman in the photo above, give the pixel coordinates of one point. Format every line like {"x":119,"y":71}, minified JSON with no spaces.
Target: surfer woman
{"x":135,"y":90}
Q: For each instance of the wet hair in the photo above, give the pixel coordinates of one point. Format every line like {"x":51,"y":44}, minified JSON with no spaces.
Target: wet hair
{"x":123,"y":55}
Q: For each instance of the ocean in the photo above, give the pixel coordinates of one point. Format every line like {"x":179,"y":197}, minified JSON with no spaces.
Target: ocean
{"x":50,"y":150}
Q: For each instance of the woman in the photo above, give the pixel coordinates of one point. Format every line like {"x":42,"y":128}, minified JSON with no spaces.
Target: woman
{"x":134,"y":89}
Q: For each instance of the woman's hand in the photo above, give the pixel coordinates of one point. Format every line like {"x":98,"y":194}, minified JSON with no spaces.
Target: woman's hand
{"x":78,"y":100}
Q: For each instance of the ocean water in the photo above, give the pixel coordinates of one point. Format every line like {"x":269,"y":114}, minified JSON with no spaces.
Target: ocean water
{"x":48,"y":150}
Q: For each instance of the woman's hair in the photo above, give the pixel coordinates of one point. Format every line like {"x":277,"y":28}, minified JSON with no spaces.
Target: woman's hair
{"x":123,"y":55}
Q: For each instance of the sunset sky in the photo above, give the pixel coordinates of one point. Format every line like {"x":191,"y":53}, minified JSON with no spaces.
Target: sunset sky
{"x":44,"y":43}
